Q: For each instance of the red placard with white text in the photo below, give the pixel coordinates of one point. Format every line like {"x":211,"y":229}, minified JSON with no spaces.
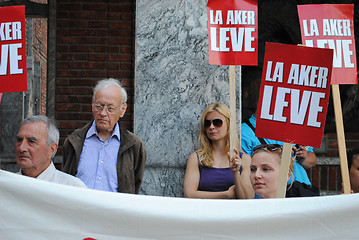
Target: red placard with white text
{"x":331,"y":26}
{"x":294,"y":94}
{"x":233,"y":32}
{"x":12,"y":49}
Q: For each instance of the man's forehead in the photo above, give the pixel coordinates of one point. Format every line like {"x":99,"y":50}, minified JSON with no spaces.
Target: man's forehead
{"x":108,"y":101}
{"x":109,"y":91}
{"x":34,"y":124}
{"x":34,"y":129}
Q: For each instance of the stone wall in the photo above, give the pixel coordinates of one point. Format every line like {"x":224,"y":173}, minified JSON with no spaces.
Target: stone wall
{"x":173,"y":85}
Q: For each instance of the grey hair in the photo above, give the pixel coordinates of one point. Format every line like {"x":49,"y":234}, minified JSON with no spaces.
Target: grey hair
{"x":110,"y":82}
{"x":53,"y":134}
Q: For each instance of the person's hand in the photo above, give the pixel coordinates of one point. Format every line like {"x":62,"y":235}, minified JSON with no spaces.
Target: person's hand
{"x":231,"y":192}
{"x":236,"y":161}
{"x":301,"y":151}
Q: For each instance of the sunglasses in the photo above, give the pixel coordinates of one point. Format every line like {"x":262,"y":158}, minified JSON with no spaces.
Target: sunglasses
{"x":216,"y":122}
{"x":269,"y":147}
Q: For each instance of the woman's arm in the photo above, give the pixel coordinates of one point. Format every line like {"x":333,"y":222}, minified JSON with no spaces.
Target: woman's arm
{"x":191,"y":181}
{"x":242,"y":181}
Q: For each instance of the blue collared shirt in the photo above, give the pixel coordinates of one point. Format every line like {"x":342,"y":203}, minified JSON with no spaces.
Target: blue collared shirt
{"x":98,"y":160}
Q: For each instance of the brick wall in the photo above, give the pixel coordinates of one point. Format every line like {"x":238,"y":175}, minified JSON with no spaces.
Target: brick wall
{"x":39,"y":52}
{"x":40,"y":55}
{"x":327,"y":178}
{"x":95,"y":40}
{"x":327,"y":174}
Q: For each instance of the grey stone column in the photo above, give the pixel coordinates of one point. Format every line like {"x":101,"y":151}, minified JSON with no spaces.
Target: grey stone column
{"x":173,"y":85}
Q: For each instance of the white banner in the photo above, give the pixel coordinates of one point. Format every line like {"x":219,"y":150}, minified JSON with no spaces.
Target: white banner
{"x":34,"y":209}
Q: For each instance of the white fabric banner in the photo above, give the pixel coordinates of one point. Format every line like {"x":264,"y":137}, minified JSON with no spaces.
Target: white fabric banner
{"x":34,"y":209}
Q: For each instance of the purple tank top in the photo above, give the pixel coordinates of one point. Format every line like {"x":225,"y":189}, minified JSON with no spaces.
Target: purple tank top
{"x":214,"y":179}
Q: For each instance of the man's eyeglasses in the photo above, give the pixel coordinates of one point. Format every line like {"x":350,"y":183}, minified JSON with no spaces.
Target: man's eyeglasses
{"x":216,"y":122}
{"x":269,"y":147}
{"x":99,"y":108}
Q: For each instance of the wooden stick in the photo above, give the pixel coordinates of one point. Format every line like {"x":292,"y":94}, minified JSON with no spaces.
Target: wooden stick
{"x":284,"y":169}
{"x":341,"y":138}
{"x":240,"y":107}
{"x":232,"y":107}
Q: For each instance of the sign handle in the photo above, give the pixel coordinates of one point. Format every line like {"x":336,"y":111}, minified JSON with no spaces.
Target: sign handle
{"x":240,"y":107}
{"x":284,"y":169}
{"x":232,"y":106}
{"x":341,"y":138}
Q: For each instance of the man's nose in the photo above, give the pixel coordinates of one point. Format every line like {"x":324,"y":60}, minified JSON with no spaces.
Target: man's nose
{"x":22,"y":145}
{"x":103,"y":112}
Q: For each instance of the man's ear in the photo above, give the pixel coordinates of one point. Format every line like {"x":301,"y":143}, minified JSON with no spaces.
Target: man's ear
{"x":123,"y":109}
{"x":53,"y":148}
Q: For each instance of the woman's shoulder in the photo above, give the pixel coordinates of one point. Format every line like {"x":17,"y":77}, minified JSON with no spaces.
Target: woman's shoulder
{"x":193,"y":157}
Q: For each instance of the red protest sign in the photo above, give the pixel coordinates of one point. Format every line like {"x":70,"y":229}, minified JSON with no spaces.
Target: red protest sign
{"x":331,"y":26}
{"x":12,"y":49}
{"x":294,"y":94}
{"x":233,"y":32}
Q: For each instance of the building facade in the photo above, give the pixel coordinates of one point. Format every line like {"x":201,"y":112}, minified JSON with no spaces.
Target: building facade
{"x":159,"y":50}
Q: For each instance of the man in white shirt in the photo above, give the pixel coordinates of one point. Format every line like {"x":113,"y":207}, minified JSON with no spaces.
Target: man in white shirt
{"x":36,"y":145}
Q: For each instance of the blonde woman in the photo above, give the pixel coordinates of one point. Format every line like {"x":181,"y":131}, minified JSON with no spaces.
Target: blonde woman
{"x":209,"y":174}
{"x":265,"y":168}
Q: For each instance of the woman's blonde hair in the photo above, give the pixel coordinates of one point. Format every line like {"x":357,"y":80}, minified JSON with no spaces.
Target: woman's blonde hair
{"x":279,"y":151}
{"x":205,"y":145}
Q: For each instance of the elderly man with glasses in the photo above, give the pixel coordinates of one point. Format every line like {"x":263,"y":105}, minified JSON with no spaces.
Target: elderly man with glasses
{"x":103,"y":154}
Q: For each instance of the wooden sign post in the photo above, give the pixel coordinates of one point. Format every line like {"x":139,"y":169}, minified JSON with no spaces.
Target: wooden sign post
{"x":232,"y":106}
{"x":341,"y":139}
{"x":284,"y":169}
